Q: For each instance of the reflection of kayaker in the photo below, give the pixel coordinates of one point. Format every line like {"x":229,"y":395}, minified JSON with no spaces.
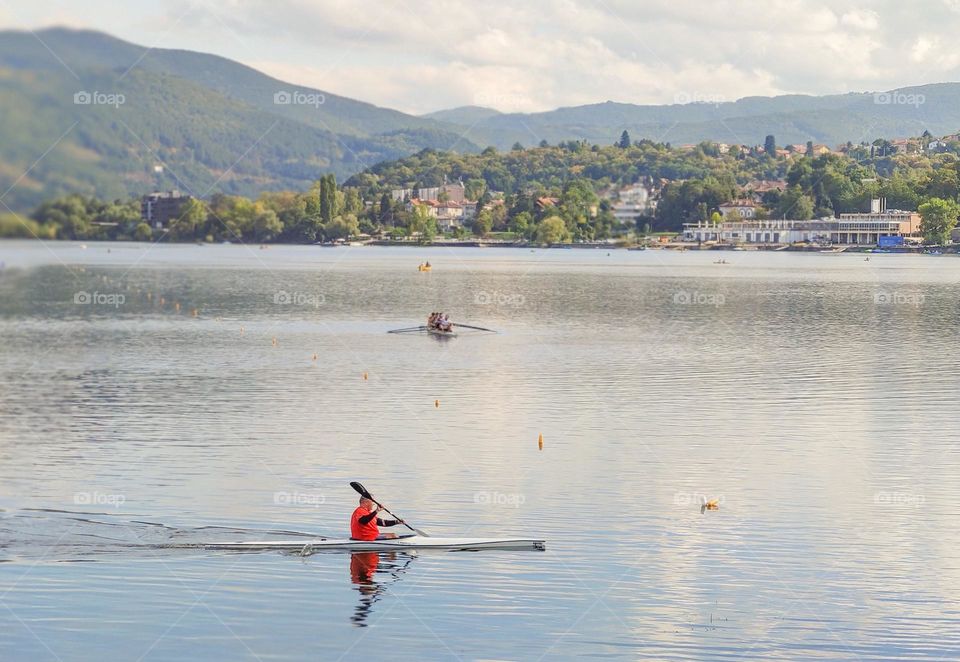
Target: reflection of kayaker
{"x":363,"y":570}
{"x":362,"y":566}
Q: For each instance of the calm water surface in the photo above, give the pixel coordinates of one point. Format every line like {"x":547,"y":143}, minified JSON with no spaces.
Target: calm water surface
{"x":169,"y":394}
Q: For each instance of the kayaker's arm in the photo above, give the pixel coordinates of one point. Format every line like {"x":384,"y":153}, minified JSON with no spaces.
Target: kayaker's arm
{"x":366,"y":519}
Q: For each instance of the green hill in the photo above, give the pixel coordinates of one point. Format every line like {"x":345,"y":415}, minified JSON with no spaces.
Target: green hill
{"x":213,"y":123}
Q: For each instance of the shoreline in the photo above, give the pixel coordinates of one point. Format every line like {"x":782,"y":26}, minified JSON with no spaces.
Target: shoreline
{"x":678,"y":247}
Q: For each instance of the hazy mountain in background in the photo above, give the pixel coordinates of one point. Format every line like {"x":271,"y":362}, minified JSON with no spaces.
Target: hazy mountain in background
{"x":464,"y":115}
{"x":214,"y":124}
{"x":831,"y":120}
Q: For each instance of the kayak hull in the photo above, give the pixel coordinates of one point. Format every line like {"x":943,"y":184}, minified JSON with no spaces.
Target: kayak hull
{"x":387,"y":545}
{"x":442,"y":334}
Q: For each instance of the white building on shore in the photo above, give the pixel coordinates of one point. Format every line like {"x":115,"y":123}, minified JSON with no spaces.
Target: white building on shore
{"x":860,"y":228}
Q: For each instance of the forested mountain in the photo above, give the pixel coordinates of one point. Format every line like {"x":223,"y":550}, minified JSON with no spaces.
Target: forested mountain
{"x":214,"y":124}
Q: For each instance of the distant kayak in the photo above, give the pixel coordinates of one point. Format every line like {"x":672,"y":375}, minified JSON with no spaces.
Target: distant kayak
{"x":411,"y":542}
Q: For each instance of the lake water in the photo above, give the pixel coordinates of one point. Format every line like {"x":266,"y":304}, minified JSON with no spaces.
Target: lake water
{"x":169,"y":394}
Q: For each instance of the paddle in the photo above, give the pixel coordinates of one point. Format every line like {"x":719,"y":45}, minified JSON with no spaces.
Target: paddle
{"x":408,"y":330}
{"x":365,"y":494}
{"x":478,"y":328}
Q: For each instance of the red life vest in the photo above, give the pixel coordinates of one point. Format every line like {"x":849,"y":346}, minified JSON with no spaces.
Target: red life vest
{"x":358,"y":531}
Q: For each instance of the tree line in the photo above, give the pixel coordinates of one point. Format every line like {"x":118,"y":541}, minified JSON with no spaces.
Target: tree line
{"x":547,"y":194}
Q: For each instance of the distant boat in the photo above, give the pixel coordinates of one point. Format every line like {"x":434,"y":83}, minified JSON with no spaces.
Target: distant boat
{"x":425,"y":267}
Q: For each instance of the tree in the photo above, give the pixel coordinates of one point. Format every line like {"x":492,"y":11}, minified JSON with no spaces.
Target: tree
{"x":266,"y":225}
{"x":809,"y":148}
{"x":521,"y":223}
{"x":795,"y":204}
{"x":386,"y":209}
{"x":342,"y":227}
{"x":517,"y":147}
{"x":142,"y":232}
{"x":770,"y":146}
{"x":938,"y":217}
{"x":624,"y":141}
{"x":328,"y":198}
{"x":552,"y":231}
{"x":483,"y":223}
{"x":422,"y":223}
{"x":474,"y":188}
{"x":191,"y":222}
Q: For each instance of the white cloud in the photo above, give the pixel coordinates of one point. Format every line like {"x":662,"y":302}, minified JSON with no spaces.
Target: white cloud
{"x":542,"y":54}
{"x":860,"y":19}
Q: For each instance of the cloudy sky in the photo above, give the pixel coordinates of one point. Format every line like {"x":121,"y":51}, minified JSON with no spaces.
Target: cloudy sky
{"x":424,"y":55}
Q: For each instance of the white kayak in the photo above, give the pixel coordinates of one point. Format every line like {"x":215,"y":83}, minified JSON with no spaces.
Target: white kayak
{"x":385,"y":545}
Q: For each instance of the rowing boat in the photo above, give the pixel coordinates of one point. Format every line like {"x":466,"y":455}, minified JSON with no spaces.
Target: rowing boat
{"x":441,"y":333}
{"x":412,"y":542}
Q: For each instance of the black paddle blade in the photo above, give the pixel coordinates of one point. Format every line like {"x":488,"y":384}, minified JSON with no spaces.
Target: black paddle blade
{"x":360,"y":489}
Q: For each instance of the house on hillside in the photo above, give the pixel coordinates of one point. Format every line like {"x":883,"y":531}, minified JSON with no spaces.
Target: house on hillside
{"x":743,"y":208}
{"x":631,"y":202}
{"x":546,"y":203}
{"x":158,"y":209}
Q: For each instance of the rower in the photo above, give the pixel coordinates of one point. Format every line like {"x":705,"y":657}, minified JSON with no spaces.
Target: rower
{"x":364,"y":522}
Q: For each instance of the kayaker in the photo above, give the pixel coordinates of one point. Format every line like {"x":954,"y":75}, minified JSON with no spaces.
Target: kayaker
{"x":364,"y":522}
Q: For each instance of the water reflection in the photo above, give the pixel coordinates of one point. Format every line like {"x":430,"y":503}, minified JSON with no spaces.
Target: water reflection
{"x":364,"y":567}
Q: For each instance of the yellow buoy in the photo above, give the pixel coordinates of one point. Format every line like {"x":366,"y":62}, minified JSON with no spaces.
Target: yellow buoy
{"x":540,"y":441}
{"x":436,"y":403}
{"x":364,"y":376}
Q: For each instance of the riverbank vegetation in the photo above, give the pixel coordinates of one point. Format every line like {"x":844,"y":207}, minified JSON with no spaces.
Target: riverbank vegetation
{"x":544,"y":194}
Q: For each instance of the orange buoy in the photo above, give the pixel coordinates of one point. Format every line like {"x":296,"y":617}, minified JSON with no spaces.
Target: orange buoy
{"x":364,"y":376}
{"x":436,"y":403}
{"x":540,"y":441}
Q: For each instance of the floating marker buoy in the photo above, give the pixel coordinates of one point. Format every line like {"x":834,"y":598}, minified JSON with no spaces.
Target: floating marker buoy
{"x":241,"y":330}
{"x":436,"y":403}
{"x":364,"y":376}
{"x":274,"y":342}
{"x":314,"y":357}
{"x":176,"y":306}
{"x":540,"y":441}
{"x":194,"y":312}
